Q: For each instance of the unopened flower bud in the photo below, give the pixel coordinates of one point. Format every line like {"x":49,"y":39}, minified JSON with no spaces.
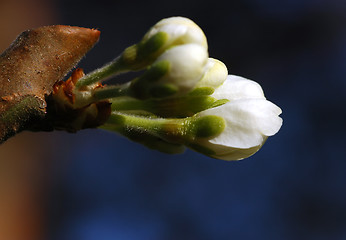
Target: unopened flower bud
{"x":180,"y":30}
{"x":184,"y":66}
{"x":249,"y":120}
{"x":214,"y":76}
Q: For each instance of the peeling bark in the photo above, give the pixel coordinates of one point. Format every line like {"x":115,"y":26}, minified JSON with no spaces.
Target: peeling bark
{"x":30,"y":67}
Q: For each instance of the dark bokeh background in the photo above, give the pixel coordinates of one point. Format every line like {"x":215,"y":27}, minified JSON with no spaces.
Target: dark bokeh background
{"x":106,"y":187}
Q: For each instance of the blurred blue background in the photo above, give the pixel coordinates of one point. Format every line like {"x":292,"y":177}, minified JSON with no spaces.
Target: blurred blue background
{"x":105,"y":187}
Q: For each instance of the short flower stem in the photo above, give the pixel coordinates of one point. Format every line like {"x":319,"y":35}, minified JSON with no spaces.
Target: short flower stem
{"x":84,"y":98}
{"x":170,"y":130}
{"x":125,"y":103}
{"x":110,"y":92}
{"x":113,"y":68}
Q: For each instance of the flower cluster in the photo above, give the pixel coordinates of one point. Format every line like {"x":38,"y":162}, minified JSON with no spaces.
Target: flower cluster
{"x":182,"y":98}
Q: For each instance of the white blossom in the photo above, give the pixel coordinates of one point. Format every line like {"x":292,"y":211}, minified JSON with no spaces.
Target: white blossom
{"x":249,"y":120}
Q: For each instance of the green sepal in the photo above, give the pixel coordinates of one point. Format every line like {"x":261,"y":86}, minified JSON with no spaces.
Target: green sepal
{"x":144,"y":53}
{"x":207,"y":126}
{"x":150,"y":48}
{"x":142,"y":85}
{"x":162,"y":91}
{"x":219,"y":103}
{"x":201,"y":91}
{"x":176,"y":107}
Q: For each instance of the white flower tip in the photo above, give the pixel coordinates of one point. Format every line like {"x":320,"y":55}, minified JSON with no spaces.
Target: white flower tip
{"x":236,"y":87}
{"x":276,"y":121}
{"x":215,"y":74}
{"x":249,"y":122}
{"x":181,"y":30}
{"x":187,"y":65}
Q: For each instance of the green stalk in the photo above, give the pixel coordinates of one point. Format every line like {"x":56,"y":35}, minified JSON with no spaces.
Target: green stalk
{"x":129,"y":103}
{"x":98,"y":94}
{"x":110,"y":92}
{"x":111,"y":69}
{"x":170,"y":130}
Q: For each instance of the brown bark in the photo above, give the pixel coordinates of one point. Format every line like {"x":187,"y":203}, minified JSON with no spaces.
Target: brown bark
{"x":30,"y":67}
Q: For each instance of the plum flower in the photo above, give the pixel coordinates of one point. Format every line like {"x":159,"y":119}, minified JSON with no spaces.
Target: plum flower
{"x":249,"y":119}
{"x":182,"y":98}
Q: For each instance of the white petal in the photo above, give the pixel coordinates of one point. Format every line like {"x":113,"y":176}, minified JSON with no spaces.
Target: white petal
{"x":215,"y":75}
{"x":188,"y":63}
{"x":236,"y":87}
{"x":223,"y":152}
{"x":266,"y":115}
{"x":235,"y":153}
{"x":248,"y":122}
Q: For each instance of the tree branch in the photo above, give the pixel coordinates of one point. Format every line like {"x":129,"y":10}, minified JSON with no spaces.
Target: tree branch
{"x":30,"y":67}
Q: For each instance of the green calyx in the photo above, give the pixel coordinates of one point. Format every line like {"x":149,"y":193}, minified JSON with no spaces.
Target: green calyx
{"x":162,"y":91}
{"x":180,"y":107}
{"x":202,"y":91}
{"x":142,"y":54}
{"x":207,"y":126}
{"x":176,"y":107}
{"x":142,"y":86}
{"x":219,"y":103}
